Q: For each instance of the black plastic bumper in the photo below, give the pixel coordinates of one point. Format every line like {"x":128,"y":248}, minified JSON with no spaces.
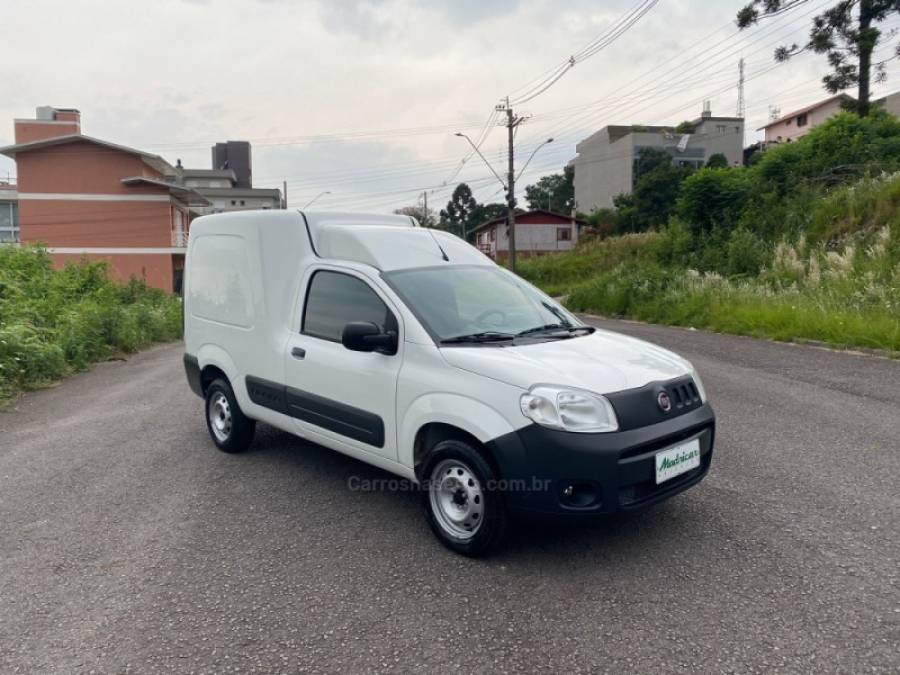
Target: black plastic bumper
{"x":192,"y":370}
{"x":605,"y":473}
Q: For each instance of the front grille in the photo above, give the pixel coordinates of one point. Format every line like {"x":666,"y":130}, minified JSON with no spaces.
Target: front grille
{"x":684,"y":395}
{"x":634,"y":494}
{"x":661,"y":443}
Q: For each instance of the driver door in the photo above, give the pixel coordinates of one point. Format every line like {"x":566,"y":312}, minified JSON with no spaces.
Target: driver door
{"x":338,"y":396}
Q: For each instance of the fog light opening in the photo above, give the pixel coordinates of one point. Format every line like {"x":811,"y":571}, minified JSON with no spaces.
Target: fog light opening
{"x":580,"y":495}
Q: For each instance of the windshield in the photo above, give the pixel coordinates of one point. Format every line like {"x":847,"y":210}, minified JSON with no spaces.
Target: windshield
{"x":482,"y":301}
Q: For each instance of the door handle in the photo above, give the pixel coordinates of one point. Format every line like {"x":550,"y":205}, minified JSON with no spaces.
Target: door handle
{"x":298,"y":352}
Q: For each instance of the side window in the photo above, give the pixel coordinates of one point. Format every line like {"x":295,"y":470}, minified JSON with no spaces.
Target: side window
{"x":334,"y":299}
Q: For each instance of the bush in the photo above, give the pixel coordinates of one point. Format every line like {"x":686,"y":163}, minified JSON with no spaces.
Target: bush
{"x":713,"y":198}
{"x":746,"y":253}
{"x":53,"y":322}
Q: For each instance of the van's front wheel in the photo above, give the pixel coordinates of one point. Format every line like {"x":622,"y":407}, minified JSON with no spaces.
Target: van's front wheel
{"x":462,"y":504}
{"x":230,"y":429}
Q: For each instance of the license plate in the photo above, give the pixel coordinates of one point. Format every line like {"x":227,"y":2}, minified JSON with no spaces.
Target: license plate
{"x":676,"y":460}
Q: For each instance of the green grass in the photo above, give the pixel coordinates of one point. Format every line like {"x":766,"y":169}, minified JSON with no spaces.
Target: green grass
{"x":747,"y":309}
{"x":56,"y":322}
{"x":838,"y":283}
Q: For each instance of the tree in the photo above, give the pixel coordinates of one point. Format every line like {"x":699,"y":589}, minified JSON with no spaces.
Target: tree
{"x":714,"y":198}
{"x":425,"y":218}
{"x":555,"y":192}
{"x":647,"y":160}
{"x":655,"y":196}
{"x":717,"y":161}
{"x":848,"y":40}
{"x":457,"y":215}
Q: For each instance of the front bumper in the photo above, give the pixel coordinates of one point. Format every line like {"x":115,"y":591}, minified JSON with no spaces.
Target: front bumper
{"x":610,"y":473}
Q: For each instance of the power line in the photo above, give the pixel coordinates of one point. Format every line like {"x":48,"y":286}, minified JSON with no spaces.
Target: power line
{"x":619,"y":28}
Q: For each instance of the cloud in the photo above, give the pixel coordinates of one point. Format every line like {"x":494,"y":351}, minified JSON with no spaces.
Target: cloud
{"x":184,"y":74}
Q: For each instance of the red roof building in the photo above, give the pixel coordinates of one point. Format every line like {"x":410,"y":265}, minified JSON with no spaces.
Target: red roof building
{"x":537,"y":232}
{"x":85,"y":197}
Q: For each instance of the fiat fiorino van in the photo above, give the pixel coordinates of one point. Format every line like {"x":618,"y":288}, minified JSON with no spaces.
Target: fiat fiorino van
{"x":406,"y":348}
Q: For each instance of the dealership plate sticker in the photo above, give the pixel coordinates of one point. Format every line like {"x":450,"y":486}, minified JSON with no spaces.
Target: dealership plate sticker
{"x":676,"y":460}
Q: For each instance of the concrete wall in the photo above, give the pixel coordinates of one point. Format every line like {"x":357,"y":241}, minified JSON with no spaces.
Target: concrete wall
{"x":721,"y":136}
{"x":891,"y":104}
{"x":602,"y":171}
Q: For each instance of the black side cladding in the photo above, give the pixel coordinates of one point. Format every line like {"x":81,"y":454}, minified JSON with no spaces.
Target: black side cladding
{"x":360,"y":425}
{"x":192,"y":370}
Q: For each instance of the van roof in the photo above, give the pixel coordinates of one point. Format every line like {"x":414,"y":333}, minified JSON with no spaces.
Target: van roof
{"x":385,"y":242}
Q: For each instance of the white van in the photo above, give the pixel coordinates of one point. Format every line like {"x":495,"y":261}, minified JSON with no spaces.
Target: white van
{"x":408,"y":349}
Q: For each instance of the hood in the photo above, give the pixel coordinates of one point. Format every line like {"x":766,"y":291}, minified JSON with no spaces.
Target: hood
{"x":603,"y":362}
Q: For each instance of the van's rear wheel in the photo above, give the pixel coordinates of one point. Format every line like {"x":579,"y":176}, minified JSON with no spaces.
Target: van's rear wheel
{"x":230,"y":429}
{"x":462,"y":505}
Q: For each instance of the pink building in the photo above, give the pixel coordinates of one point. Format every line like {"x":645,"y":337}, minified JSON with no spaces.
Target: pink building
{"x":797,"y":124}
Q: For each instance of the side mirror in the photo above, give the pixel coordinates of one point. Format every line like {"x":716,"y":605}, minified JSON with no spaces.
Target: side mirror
{"x":365,"y":336}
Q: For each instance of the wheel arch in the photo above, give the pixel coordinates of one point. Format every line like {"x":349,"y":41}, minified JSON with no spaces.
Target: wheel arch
{"x":436,"y":417}
{"x":215,"y":362}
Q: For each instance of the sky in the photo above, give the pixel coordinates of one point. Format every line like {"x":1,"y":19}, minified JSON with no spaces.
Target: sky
{"x":362,"y":99}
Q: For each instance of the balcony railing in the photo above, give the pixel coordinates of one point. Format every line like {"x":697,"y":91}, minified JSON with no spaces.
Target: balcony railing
{"x":179,"y":239}
{"x":489,"y":249}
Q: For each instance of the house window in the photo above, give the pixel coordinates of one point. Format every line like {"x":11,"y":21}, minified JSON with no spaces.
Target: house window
{"x":233,"y":202}
{"x":721,"y":128}
{"x":802,"y":120}
{"x":494,"y":234}
{"x":563,"y":234}
{"x":242,"y":202}
{"x":9,"y":222}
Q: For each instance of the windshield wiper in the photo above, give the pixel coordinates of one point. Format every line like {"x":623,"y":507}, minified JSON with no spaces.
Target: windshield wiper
{"x":551,"y":327}
{"x":486,"y":336}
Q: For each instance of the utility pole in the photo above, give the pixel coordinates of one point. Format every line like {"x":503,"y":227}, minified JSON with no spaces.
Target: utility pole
{"x":284,"y":205}
{"x":741,"y":105}
{"x":511,"y":123}
{"x":425,"y":209}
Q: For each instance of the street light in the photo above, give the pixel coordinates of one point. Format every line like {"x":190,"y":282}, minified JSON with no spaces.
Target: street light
{"x":321,"y":194}
{"x":547,"y":142}
{"x":475,"y":148}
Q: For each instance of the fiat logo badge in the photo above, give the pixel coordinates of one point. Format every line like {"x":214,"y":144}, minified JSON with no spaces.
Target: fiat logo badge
{"x":665,"y":403}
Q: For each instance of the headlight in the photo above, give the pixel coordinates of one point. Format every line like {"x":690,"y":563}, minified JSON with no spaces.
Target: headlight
{"x":696,"y":376}
{"x":569,"y":409}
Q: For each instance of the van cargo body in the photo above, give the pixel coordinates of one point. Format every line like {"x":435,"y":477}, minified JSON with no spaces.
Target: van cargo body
{"x":408,"y":349}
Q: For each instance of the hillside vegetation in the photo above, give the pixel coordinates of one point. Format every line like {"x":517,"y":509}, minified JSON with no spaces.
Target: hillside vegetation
{"x":802,"y":245}
{"x":55,"y":322}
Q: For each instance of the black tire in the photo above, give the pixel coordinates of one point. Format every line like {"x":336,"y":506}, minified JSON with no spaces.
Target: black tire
{"x":481,"y":508}
{"x":230,"y":429}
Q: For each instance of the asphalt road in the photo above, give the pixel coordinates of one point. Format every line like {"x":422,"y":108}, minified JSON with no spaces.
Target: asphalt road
{"x":129,"y":544}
